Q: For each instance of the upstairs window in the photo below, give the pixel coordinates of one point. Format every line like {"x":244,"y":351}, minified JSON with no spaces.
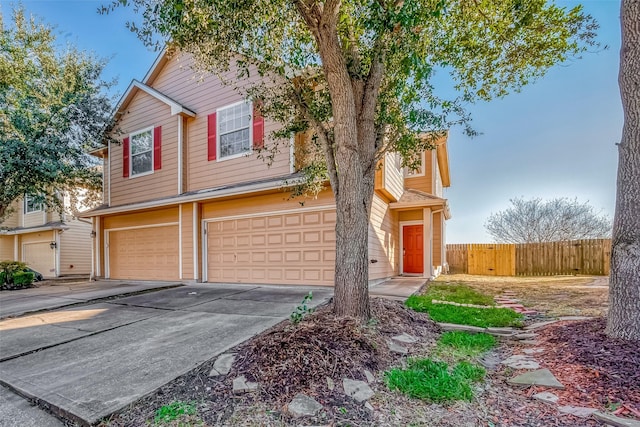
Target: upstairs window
{"x":142,"y":152}
{"x":412,"y":173}
{"x":234,"y":130}
{"x":30,"y":205}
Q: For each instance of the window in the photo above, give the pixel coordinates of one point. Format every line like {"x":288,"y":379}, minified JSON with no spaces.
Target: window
{"x":411,"y":173}
{"x":30,"y":205}
{"x":234,"y":130}
{"x":142,"y":152}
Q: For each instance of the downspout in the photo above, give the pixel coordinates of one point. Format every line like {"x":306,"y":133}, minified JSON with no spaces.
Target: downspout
{"x":92,"y":274}
{"x":180,"y":154}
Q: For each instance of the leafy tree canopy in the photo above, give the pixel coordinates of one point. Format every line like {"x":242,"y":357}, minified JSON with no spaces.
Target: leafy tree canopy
{"x":53,"y":108}
{"x":358,"y":74}
{"x":537,"y":220}
{"x":388,"y":51}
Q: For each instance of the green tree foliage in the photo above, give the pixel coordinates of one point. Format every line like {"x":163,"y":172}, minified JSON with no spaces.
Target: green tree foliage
{"x":358,"y":73}
{"x":537,"y":220}
{"x":53,"y":108}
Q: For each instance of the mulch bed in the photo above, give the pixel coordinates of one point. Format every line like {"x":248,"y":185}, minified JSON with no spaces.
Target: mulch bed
{"x":290,"y":359}
{"x":314,"y":356}
{"x":597,"y":371}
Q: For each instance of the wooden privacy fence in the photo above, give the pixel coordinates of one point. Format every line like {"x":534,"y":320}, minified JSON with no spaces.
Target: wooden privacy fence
{"x":590,"y":257}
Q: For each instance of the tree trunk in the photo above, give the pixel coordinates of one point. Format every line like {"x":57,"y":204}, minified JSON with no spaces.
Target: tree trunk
{"x":624,"y":294}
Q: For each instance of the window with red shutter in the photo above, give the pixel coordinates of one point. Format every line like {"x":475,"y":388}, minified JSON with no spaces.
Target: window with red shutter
{"x":125,"y":157}
{"x":157,"y":148}
{"x":211,"y":136}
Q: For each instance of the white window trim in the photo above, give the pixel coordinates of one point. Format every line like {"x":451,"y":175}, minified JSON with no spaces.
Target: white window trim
{"x":131,"y":135}
{"x":422,"y":167}
{"x":26,"y":202}
{"x":219,"y":157}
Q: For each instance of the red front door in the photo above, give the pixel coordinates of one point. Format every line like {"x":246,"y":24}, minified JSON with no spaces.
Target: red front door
{"x":412,"y":241}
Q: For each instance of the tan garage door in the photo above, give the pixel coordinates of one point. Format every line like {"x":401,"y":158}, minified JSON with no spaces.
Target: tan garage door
{"x":40,"y":257}
{"x":294,"y":248}
{"x":144,"y":253}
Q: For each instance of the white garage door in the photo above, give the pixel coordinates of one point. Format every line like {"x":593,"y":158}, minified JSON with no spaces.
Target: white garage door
{"x":40,"y":257}
{"x":144,"y":253}
{"x":292,"y":248}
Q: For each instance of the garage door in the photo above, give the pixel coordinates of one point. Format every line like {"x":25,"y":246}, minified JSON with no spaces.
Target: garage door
{"x":294,"y":248}
{"x":40,"y":257}
{"x":144,"y":253}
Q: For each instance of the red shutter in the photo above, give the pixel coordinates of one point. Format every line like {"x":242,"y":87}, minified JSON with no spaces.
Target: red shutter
{"x":258,"y":126}
{"x":157,"y":148}
{"x":211,"y":136}
{"x":125,"y":157}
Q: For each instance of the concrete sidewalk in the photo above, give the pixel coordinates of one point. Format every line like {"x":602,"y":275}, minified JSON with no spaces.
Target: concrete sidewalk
{"x":398,"y":288}
{"x":52,"y":296}
{"x":90,"y":360}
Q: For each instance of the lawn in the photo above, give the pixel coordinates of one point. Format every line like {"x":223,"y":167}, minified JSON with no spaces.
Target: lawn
{"x":552,"y":295}
{"x":459,"y":293}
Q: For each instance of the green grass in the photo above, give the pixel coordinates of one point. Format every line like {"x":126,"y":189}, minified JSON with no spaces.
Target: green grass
{"x":456,"y":292}
{"x":434,"y":381}
{"x":173,"y":411}
{"x":464,"y":345}
{"x":482,"y":317}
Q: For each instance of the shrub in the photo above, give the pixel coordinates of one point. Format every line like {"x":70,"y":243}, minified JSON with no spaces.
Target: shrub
{"x":23,"y":278}
{"x":13,"y":275}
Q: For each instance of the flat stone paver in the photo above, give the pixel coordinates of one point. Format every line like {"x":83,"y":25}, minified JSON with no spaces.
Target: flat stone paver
{"x":542,"y":377}
{"x":359,"y":390}
{"x":223,"y":364}
{"x":612,"y":420}
{"x":16,"y":411}
{"x":546,"y":397}
{"x":303,"y":406}
{"x":241,"y":385}
{"x":520,"y":361}
{"x":578,"y":411}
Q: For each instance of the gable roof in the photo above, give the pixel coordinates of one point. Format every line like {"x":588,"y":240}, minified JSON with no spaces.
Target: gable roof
{"x":135,"y":86}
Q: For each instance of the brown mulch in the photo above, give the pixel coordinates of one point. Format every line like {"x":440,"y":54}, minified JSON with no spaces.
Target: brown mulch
{"x":597,"y":371}
{"x":323,"y":348}
{"x":317,"y":353}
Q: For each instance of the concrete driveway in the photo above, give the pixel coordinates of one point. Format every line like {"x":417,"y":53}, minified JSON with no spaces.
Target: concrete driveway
{"x":89,"y":360}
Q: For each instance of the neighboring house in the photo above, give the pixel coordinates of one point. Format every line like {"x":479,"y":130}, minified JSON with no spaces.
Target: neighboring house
{"x":52,"y":244}
{"x":187,"y":199}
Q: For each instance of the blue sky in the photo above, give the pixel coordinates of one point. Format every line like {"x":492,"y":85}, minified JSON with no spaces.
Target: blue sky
{"x":554,"y":139}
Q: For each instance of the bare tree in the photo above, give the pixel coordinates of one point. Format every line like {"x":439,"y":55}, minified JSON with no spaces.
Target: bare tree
{"x":536,"y":220}
{"x":624,"y":294}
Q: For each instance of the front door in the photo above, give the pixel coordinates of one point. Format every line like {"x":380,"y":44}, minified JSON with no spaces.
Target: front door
{"x":413,"y":257}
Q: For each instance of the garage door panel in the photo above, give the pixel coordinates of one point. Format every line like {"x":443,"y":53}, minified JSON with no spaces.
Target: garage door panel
{"x":40,"y":257}
{"x":294,"y":248}
{"x":144,"y":253}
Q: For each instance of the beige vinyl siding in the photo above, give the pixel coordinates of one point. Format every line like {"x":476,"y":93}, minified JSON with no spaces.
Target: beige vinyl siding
{"x":32,"y":219}
{"x":268,"y":203}
{"x":144,"y":112}
{"x":393,"y":176}
{"x":13,"y":220}
{"x":415,"y":215}
{"x":383,"y":240}
{"x":423,"y":183}
{"x":204,"y":96}
{"x":75,"y":248}
{"x":6,"y":248}
{"x":437,"y":239}
{"x":141,"y":219}
{"x":187,"y":240}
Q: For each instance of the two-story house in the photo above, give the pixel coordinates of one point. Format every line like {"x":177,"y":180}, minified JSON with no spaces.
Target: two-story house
{"x":186,"y":198}
{"x":50,"y":243}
